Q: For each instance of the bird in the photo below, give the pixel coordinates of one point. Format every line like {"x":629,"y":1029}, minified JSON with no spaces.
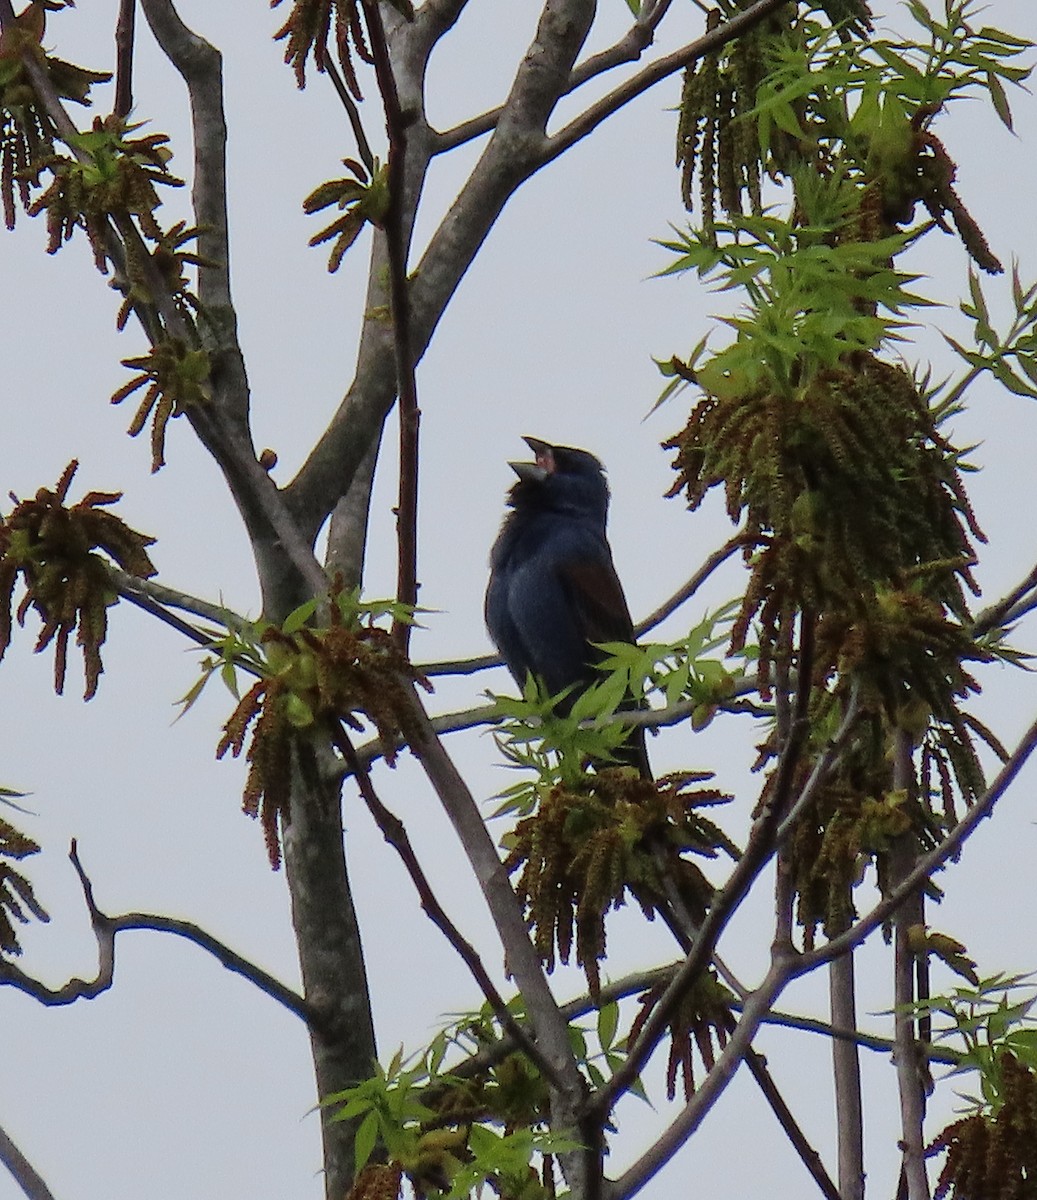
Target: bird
{"x":553,"y":594}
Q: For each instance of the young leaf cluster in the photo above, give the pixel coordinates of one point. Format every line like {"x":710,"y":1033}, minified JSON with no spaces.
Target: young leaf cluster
{"x":700,"y":1022}
{"x":314,"y":679}
{"x":26,"y":129}
{"x":175,"y":377}
{"x":364,"y":198}
{"x":308,"y":29}
{"x":52,"y":548}
{"x":113,"y":175}
{"x":449,"y":1134}
{"x":799,"y":91}
{"x":592,"y":842}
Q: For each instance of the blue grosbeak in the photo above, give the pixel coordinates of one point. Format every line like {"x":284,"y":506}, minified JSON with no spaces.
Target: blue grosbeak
{"x":553,"y":591}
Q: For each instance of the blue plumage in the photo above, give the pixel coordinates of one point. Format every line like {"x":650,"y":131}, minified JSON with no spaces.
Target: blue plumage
{"x":553,"y":591}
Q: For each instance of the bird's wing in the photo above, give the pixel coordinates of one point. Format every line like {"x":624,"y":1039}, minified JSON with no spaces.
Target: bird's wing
{"x":597,"y":599}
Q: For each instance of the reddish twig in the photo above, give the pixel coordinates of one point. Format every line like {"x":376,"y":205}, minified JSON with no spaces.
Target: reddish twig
{"x":395,"y":833}
{"x":396,"y":122}
{"x":124,"y":31}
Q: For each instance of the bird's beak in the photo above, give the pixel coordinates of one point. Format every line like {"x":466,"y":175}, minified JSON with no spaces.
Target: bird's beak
{"x":543,"y":452}
{"x":529,"y":472}
{"x":535,"y":472}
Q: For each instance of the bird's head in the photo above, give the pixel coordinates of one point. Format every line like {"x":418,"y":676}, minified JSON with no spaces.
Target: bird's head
{"x":561,"y":479}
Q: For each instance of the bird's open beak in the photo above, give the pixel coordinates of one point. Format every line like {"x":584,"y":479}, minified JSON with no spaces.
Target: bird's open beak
{"x":536,"y":472}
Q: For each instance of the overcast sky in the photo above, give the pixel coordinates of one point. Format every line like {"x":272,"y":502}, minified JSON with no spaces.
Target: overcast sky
{"x":182,"y":1081}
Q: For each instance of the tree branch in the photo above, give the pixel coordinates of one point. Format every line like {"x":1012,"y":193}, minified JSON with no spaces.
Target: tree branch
{"x":201,"y":67}
{"x":396,"y":239}
{"x":509,"y":159}
{"x":928,"y":863}
{"x":846,"y":1074}
{"x":25,"y":1175}
{"x":124,"y":57}
{"x":550,"y":1029}
{"x":1019,"y":601}
{"x":907,"y":1056}
{"x":105,"y":928}
{"x":703,"y":1099}
{"x":604,"y":108}
{"x":395,"y":833}
{"x":363,"y":146}
{"x":172,"y":598}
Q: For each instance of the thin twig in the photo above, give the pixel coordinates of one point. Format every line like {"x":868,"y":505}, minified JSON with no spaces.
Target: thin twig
{"x":1006,"y":609}
{"x":710,"y":42}
{"x":173,"y":598}
{"x":395,"y":833}
{"x":687,"y":590}
{"x":396,"y":123}
{"x":809,"y":1157}
{"x":124,"y":31}
{"x":25,"y":1175}
{"x":106,"y":927}
{"x":363,"y":146}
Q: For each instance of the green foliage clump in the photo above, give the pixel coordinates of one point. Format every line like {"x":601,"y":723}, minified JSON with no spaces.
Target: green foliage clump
{"x":449,"y":1132}
{"x":113,"y":175}
{"x":365,"y":196}
{"x":590,"y":843}
{"x":992,"y":1155}
{"x":805,"y":412}
{"x":26,"y":129}
{"x":52,"y":548}
{"x":176,"y":377}
{"x":312,"y":679}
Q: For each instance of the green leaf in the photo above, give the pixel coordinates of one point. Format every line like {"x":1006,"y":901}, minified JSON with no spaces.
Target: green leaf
{"x":608,"y":1022}
{"x":999,"y":99}
{"x":298,"y":617}
{"x":366,"y":1138}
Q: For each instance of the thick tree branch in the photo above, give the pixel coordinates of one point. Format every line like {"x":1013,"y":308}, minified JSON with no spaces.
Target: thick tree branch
{"x":506,"y":163}
{"x":908,"y":1054}
{"x":201,"y":67}
{"x":105,"y":929}
{"x":522,"y":962}
{"x":846,"y":1074}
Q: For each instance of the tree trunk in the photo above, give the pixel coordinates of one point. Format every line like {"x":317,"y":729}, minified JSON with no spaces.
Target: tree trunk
{"x":330,"y":954}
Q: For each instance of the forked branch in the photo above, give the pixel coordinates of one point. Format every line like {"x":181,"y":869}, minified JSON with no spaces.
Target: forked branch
{"x":105,"y":928}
